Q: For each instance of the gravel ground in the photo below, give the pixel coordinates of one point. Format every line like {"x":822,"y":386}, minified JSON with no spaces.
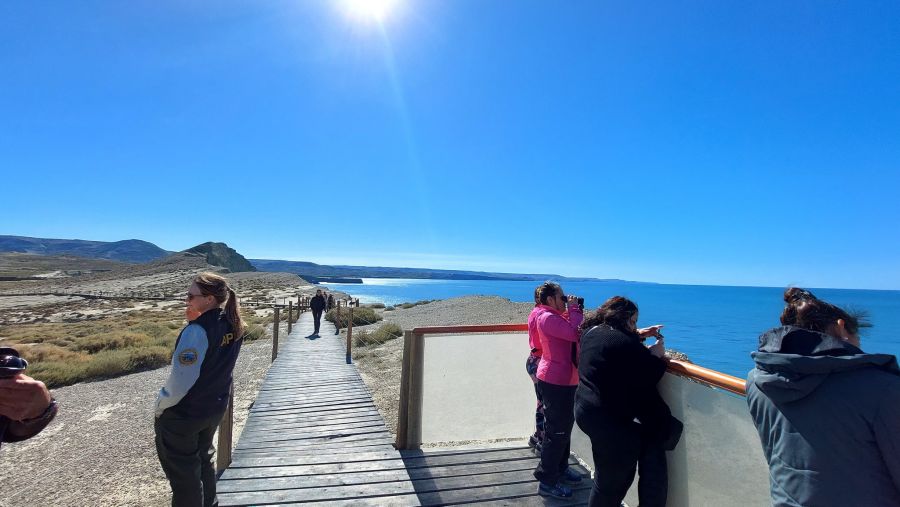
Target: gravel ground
{"x":99,"y":450}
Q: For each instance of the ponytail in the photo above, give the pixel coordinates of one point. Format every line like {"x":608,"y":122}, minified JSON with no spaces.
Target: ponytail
{"x":233,"y":313}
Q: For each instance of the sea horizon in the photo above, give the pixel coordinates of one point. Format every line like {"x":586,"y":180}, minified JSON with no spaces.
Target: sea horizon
{"x":717,"y":326}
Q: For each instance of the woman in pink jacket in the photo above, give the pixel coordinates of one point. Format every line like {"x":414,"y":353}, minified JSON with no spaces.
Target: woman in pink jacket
{"x":557,"y":375}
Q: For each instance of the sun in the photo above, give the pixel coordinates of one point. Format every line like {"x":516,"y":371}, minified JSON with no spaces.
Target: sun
{"x":370,"y":10}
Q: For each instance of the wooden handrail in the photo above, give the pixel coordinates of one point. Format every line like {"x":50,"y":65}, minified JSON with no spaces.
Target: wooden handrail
{"x":706,"y":376}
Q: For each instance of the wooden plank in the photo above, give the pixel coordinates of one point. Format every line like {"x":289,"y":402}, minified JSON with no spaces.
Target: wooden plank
{"x":336,"y":452}
{"x":304,"y":402}
{"x":354,"y":491}
{"x":274,"y":424}
{"x":377,"y":501}
{"x":311,"y":481}
{"x":339,"y":466}
{"x":457,"y":459}
{"x":282,"y":432}
{"x":291,"y":460}
{"x":323,"y":443}
{"x":501,"y":492}
{"x":305,"y":437}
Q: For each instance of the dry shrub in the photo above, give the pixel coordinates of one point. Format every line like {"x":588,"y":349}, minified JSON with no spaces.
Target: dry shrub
{"x":63,"y":354}
{"x":45,"y":352}
{"x":111,"y":341}
{"x":254,"y":332}
{"x":384,"y":333}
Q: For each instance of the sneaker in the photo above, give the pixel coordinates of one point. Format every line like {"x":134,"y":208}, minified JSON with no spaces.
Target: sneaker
{"x":557,"y":490}
{"x":571,"y":476}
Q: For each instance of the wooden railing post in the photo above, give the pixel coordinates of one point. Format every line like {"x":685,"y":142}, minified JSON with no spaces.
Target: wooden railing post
{"x":350,"y":336}
{"x":409,"y":421}
{"x":290,"y":314}
{"x":337,"y":319}
{"x":223,"y":452}
{"x":275,"y":326}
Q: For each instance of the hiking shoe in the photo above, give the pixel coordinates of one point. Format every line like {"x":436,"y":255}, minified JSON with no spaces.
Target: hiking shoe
{"x":535,"y":444}
{"x":571,"y":476}
{"x":557,"y":490}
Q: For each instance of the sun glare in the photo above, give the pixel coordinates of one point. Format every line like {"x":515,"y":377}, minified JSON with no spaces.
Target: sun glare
{"x":370,"y":10}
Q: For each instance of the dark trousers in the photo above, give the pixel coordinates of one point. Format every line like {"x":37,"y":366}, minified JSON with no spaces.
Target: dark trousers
{"x":317,"y":319}
{"x":186,"y":453}
{"x":559,"y":418}
{"x":531,"y":365}
{"x":618,"y":447}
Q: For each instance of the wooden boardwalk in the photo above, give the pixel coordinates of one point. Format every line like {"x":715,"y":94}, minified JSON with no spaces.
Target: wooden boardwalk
{"x":315,"y":436}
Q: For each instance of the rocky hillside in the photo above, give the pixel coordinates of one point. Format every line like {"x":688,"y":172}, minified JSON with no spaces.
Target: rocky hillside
{"x":129,"y":250}
{"x":220,"y":254}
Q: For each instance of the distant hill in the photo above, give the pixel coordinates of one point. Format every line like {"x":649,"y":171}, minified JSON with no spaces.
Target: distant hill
{"x":220,"y":254}
{"x":129,"y":250}
{"x":312,"y":271}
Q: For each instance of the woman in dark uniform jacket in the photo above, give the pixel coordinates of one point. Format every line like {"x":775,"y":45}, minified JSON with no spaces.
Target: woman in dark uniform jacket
{"x":618,"y":407}
{"x":191,"y":404}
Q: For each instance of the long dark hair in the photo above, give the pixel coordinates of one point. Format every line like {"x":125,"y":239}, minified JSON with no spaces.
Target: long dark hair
{"x":211,"y":284}
{"x":615,"y":312}
{"x":803,"y":309}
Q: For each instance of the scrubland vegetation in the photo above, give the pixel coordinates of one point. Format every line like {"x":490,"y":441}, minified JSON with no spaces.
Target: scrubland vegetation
{"x":385,"y":332}
{"x":62,"y":354}
{"x":361,"y":317}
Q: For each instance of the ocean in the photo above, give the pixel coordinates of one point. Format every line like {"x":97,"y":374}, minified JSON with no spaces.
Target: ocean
{"x":716,"y":326}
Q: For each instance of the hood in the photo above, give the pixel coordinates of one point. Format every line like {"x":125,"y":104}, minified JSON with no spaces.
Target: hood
{"x":792,"y":362}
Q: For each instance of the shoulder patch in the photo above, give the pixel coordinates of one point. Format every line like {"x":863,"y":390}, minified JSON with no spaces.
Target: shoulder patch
{"x":188,"y":357}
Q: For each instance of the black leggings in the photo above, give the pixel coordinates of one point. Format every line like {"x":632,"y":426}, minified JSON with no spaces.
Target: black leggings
{"x":618,"y":447}
{"x":559,"y":418}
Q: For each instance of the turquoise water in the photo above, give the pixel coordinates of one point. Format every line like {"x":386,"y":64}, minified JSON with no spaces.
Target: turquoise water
{"x":717,"y":327}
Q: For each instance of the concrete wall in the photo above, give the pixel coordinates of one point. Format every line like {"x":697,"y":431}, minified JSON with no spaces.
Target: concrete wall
{"x":476,"y":388}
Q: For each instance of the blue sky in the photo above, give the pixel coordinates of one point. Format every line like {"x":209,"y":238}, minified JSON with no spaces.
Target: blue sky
{"x":685,"y":142}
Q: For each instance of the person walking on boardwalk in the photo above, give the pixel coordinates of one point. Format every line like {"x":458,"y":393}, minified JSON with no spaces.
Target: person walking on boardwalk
{"x":828,"y":414}
{"x":317,"y":305}
{"x":331,"y":301}
{"x":531,"y":365}
{"x":191,"y":404}
{"x":557,"y":377}
{"x":618,"y":406}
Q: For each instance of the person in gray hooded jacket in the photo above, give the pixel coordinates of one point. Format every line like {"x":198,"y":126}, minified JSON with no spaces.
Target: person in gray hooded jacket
{"x":828,"y":414}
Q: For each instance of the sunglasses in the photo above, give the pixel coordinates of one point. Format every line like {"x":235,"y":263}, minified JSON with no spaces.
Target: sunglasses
{"x":192,"y":296}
